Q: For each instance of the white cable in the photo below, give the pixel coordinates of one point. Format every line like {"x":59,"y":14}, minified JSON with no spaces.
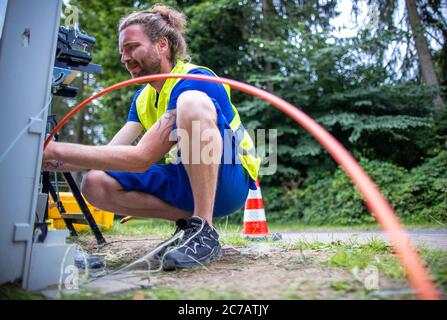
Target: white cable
{"x":151,"y":254}
{"x":146,"y":259}
{"x":22,"y":132}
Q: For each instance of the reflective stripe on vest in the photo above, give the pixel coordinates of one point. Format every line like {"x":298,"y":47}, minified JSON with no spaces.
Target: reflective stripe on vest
{"x":148,"y":114}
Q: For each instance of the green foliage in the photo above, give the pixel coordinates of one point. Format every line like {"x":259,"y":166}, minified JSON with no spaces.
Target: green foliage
{"x":422,"y":194}
{"x":373,"y":103}
{"x":349,"y":99}
{"x":215,"y":36}
{"x":417,"y":195}
{"x":361,"y":123}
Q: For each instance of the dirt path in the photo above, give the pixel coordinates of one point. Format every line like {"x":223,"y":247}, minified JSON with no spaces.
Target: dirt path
{"x":258,"y":271}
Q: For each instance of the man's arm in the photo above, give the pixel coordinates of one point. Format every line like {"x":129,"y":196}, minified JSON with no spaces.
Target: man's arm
{"x":152,"y":147}
{"x":125,"y":136}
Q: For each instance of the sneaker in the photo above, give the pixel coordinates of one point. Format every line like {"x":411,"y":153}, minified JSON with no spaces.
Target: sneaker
{"x":198,"y":246}
{"x":172,"y":242}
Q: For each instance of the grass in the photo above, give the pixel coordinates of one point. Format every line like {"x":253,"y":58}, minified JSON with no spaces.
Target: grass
{"x":233,"y":239}
{"x":343,"y":285}
{"x":142,"y":227}
{"x":436,"y":261}
{"x":13,"y":291}
{"x":162,"y":293}
{"x":146,"y":226}
{"x":355,"y":258}
{"x":305,"y":245}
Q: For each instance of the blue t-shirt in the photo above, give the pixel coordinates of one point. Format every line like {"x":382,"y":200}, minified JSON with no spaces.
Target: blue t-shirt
{"x":215,"y":91}
{"x":133,"y":115}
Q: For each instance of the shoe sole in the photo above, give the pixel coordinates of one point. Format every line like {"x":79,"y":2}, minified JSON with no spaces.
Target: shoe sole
{"x":171,"y":265}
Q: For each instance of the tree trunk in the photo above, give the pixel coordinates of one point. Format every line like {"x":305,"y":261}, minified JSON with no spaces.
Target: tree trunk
{"x":267,"y":14}
{"x":425,"y":59}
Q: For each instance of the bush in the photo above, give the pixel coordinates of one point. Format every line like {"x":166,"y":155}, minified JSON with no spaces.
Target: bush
{"x":422,"y":194}
{"x":418,"y":195}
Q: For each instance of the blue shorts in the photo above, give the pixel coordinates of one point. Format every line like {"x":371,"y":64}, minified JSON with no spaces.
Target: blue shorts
{"x":170,"y":182}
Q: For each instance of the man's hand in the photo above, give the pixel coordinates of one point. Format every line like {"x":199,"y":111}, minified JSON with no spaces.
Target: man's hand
{"x":154,"y":144}
{"x":51,"y":163}
{"x":54,"y":161}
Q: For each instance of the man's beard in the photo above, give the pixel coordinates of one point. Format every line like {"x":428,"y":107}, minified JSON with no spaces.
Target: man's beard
{"x":153,"y":67}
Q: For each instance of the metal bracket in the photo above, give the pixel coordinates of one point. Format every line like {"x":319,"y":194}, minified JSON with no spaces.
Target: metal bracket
{"x":36,"y":126}
{"x":22,"y":232}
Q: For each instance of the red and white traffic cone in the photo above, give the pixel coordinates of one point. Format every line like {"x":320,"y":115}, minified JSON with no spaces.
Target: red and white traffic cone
{"x":255,"y":223}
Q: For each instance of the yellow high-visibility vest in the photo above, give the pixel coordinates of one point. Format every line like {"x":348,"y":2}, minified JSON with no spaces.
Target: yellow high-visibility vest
{"x":149,"y":113}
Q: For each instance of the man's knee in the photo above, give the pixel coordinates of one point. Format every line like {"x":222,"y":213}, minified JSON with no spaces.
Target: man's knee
{"x":95,"y":186}
{"x":195,"y":106}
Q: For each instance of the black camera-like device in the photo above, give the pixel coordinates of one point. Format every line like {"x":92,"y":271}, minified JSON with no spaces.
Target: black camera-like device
{"x":73,"y":55}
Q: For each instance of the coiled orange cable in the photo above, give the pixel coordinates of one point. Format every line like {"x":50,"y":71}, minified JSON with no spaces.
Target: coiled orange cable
{"x":417,"y":274}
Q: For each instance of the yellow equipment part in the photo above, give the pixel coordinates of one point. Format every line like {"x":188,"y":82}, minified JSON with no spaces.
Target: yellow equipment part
{"x":104,"y":219}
